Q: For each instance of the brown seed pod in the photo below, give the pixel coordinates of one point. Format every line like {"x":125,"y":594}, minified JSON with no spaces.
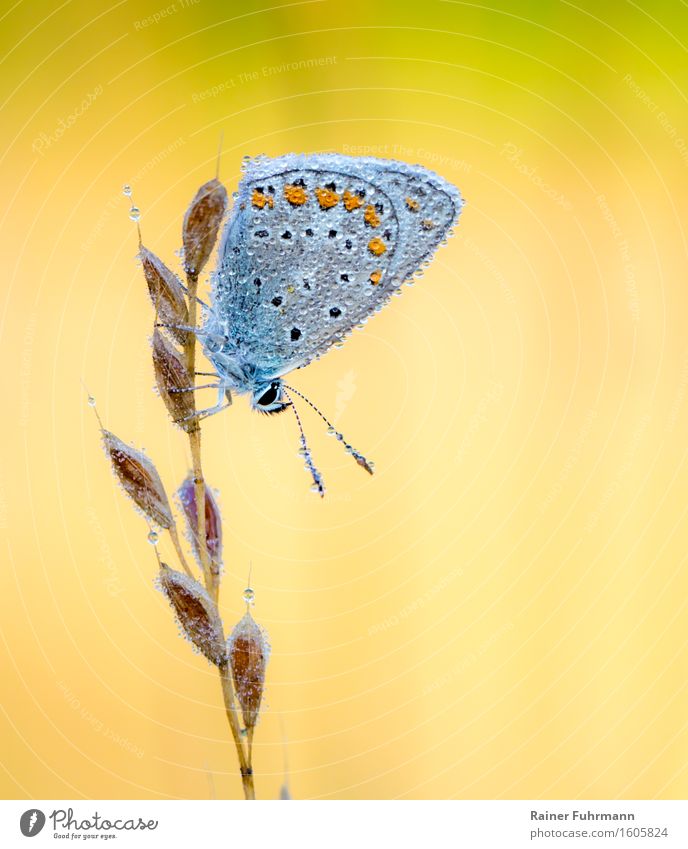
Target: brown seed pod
{"x":196,"y":613}
{"x":166,"y":293}
{"x":140,"y":480}
{"x":174,"y":383}
{"x":248,"y":650}
{"x":213,"y":521}
{"x":201,"y":224}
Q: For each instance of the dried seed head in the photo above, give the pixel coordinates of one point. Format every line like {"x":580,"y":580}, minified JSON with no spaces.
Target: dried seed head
{"x":196,"y":613}
{"x":140,"y":480}
{"x":201,"y":224}
{"x":213,"y":521}
{"x":166,"y":293}
{"x":174,"y":383}
{"x":248,"y":650}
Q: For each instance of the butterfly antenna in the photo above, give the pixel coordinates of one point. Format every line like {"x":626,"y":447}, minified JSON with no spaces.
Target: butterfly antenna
{"x":305,"y":451}
{"x":332,"y":430}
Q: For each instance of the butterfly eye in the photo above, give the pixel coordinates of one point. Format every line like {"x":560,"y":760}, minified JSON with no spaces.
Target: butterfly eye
{"x":270,"y":396}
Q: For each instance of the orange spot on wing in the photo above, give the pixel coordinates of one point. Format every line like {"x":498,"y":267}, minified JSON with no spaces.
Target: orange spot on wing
{"x":370,"y":216}
{"x":327,"y":198}
{"x":351,"y":201}
{"x":259,"y":200}
{"x":377,"y":246}
{"x":427,"y":224}
{"x":296,"y":195}
{"x":375,"y":277}
{"x":412,"y":204}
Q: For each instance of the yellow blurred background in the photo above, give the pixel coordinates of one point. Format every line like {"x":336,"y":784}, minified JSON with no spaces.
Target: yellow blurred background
{"x":500,"y":611}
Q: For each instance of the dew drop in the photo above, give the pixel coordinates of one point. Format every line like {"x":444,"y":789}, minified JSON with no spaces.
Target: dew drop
{"x":153,"y":537}
{"x":126,"y":190}
{"x":135,"y":213}
{"x":249,"y":595}
{"x":91,"y":401}
{"x":331,"y":431}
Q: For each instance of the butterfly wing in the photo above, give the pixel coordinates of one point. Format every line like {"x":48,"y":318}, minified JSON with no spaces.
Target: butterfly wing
{"x":315,"y":244}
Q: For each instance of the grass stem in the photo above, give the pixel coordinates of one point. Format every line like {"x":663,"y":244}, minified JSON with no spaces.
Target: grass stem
{"x":195,"y":443}
{"x":211,"y":580}
{"x":230,"y":708}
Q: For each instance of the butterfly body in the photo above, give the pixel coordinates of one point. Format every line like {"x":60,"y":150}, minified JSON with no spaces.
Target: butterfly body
{"x":314,"y":245}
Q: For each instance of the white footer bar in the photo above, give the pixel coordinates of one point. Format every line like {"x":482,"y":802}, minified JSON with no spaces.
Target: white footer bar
{"x":354,"y":825}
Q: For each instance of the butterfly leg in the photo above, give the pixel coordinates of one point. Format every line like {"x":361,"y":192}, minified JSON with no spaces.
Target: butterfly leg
{"x":224,"y":400}
{"x":203,"y":414}
{"x":186,"y":327}
{"x":198,"y":300}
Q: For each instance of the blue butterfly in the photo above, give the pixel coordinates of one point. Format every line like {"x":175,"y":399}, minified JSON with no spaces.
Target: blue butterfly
{"x":313,"y":246}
